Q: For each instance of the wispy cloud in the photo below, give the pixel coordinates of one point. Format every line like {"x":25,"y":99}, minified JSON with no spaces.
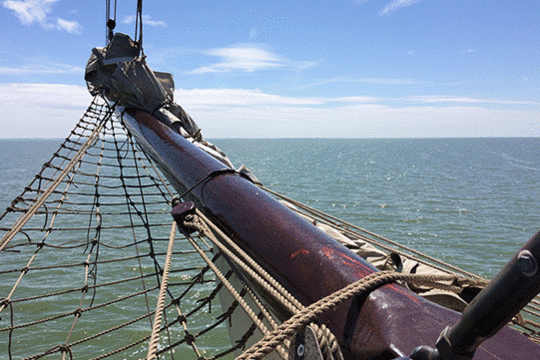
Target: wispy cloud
{"x":147,"y":20}
{"x":396,"y":5}
{"x":246,"y":58}
{"x":71,"y":27}
{"x":255,"y":114}
{"x":441,"y":99}
{"x":37,"y":11}
{"x":41,"y":110}
{"x":51,"y":110}
{"x":41,"y":69}
{"x":372,"y":81}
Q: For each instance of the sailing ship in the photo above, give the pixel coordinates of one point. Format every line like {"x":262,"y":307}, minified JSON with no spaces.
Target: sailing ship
{"x":182,"y":255}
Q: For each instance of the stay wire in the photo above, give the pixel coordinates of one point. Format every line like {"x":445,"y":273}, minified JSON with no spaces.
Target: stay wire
{"x":139,"y":25}
{"x":110,"y":23}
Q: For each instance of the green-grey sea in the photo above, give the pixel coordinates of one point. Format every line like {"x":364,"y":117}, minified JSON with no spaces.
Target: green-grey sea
{"x":471,"y":202}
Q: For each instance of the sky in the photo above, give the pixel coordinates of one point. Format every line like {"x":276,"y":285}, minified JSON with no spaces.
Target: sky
{"x":290,"y":69}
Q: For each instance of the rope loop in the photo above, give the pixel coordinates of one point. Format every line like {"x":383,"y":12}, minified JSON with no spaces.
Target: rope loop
{"x":361,"y":287}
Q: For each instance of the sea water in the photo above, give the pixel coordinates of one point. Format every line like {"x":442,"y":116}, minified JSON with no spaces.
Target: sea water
{"x":469,"y":202}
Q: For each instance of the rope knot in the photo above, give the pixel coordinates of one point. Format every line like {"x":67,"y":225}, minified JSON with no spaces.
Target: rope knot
{"x":64,"y":348}
{"x":190,"y":339}
{"x":78,"y":312}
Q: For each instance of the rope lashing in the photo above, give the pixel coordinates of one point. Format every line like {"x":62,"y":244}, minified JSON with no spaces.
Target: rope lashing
{"x":326,"y":339}
{"x":361,"y":287}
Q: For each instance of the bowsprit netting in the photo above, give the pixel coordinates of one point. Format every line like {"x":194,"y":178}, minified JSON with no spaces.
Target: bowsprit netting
{"x":92,"y":266}
{"x":83,"y":253}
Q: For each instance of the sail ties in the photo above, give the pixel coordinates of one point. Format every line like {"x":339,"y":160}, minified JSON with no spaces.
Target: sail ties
{"x":359,"y":288}
{"x":249,"y":268}
{"x":301,"y":316}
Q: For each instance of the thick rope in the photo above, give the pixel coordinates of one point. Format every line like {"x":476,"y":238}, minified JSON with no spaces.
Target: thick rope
{"x":154,"y":338}
{"x":326,"y":339}
{"x":362,"y":286}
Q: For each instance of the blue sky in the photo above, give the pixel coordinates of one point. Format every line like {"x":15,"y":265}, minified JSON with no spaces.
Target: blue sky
{"x":341,"y":68}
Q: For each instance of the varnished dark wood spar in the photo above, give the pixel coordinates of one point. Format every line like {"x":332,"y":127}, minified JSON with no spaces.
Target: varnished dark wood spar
{"x":390,"y":322}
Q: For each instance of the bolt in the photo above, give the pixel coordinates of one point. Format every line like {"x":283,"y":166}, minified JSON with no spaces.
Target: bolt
{"x":300,"y":350}
{"x":527,"y":263}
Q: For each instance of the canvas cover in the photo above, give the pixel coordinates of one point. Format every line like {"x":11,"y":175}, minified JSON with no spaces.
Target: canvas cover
{"x":122,"y":75}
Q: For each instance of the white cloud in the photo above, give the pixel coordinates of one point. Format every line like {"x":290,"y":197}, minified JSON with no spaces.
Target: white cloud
{"x":374,"y":81}
{"x":41,"y":110}
{"x":396,"y":5}
{"x":432,"y":99}
{"x":247,"y":58}
{"x":48,"y":110}
{"x":41,"y":69}
{"x":252,"y":113}
{"x":30,"y":11}
{"x":71,"y":27}
{"x":147,"y":20}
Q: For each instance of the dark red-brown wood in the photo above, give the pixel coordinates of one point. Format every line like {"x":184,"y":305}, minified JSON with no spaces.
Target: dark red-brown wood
{"x":391,"y":322}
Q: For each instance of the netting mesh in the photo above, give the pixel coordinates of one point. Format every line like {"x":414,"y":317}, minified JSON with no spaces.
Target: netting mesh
{"x":82,"y":254}
{"x":81,"y":276}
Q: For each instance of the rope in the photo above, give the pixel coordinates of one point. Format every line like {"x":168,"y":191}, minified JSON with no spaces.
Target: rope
{"x":111,"y":251}
{"x":326,"y":339}
{"x":139,"y":23}
{"x":113,"y":166}
{"x":24,"y":219}
{"x":254,"y":318}
{"x":361,"y":287}
{"x":154,"y":338}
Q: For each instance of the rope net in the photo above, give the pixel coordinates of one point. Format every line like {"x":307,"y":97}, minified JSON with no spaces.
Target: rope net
{"x":81,"y":277}
{"x":92,"y":265}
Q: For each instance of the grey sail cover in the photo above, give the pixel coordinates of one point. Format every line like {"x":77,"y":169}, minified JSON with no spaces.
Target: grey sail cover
{"x":118,"y":72}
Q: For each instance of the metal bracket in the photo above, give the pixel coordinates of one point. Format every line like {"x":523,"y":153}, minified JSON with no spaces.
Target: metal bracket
{"x":184,"y":211}
{"x":304,"y":346}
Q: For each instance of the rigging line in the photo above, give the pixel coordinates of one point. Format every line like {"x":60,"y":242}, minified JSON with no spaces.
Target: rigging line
{"x":138,"y":24}
{"x":110,"y":23}
{"x":154,"y":339}
{"x":78,"y":156}
{"x":247,"y":309}
{"x":107,"y":17}
{"x":212,"y":175}
{"x":395,"y":244}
